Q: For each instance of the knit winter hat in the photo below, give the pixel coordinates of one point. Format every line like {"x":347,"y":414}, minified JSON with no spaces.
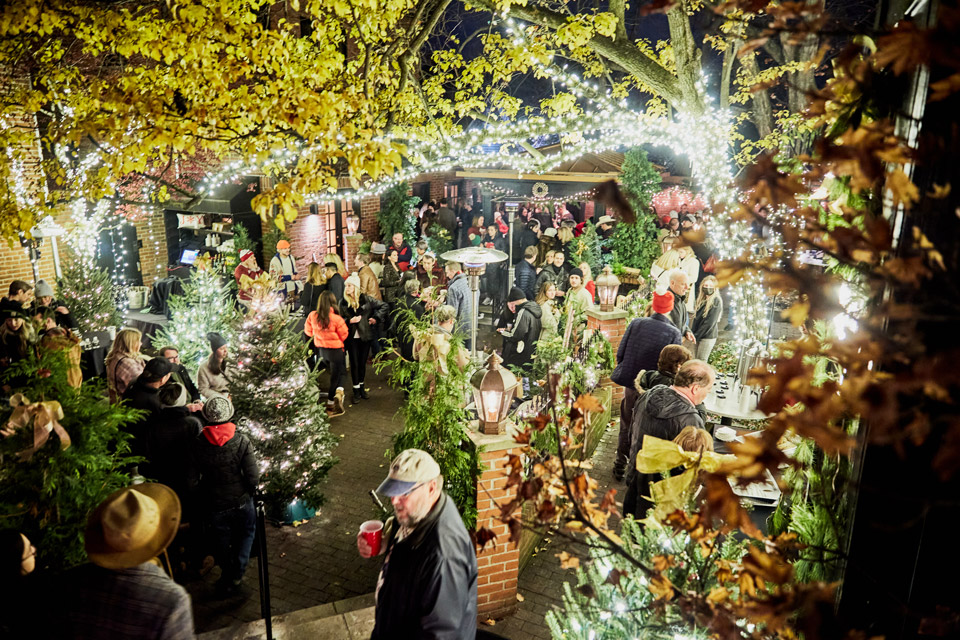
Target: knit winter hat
{"x":516,"y":293}
{"x":43,"y":289}
{"x":216,"y":340}
{"x":283,"y":244}
{"x":575,"y":272}
{"x":217,"y":410}
{"x":662,"y":302}
{"x":353,"y":279}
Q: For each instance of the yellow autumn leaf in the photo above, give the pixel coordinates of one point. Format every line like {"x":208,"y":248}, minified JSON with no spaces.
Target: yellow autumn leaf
{"x":902,"y":190}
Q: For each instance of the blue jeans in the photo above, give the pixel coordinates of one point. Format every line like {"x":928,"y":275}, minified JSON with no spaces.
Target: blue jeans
{"x":232,"y":532}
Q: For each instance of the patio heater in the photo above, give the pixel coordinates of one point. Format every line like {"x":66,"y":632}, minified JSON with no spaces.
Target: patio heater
{"x":474,"y":261}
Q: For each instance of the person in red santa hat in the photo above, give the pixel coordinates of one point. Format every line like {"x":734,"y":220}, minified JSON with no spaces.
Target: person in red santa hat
{"x":248,"y":267}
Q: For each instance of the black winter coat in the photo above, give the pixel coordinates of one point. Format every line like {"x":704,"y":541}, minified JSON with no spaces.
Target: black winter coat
{"x":228,"y":473}
{"x":399,"y":326}
{"x":390,"y":283}
{"x":706,"y":323}
{"x":520,"y":342}
{"x":140,"y":396}
{"x":369,"y":308}
{"x":559,"y":277}
{"x":525,"y":277}
{"x":679,"y":316}
{"x":429,"y":587}
{"x":335,"y":286}
{"x":170,"y":435}
{"x":662,"y":413}
{"x":310,"y":298}
{"x":641,"y":345}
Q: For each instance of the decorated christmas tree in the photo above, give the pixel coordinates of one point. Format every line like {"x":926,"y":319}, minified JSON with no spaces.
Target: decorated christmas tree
{"x":206,"y":305}
{"x":277,"y":404}
{"x":88,"y":292}
{"x":48,"y":493}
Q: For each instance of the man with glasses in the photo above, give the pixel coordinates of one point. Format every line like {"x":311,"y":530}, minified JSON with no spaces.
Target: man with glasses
{"x":428,"y":583}
{"x":663,"y":412}
{"x":179,"y":372}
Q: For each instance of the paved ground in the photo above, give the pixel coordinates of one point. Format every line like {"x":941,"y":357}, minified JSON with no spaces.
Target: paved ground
{"x":316,"y":563}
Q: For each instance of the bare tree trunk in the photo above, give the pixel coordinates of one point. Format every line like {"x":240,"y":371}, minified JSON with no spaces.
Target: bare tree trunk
{"x":762,"y":116}
{"x":726,"y":73}
{"x":686,"y":53}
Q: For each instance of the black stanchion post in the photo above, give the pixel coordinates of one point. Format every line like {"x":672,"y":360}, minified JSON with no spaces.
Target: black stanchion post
{"x":264,"y":571}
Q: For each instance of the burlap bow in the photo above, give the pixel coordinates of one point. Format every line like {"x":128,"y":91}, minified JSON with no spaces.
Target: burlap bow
{"x":46,"y":418}
{"x":259,"y":288}
{"x":658,"y":456}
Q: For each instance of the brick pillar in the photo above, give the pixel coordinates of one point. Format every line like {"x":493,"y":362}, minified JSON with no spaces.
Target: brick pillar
{"x":351,"y":250}
{"x":612,"y":324}
{"x":499,"y":563}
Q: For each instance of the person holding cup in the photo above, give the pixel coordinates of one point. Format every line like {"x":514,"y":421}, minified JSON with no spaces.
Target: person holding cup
{"x":428,"y":582}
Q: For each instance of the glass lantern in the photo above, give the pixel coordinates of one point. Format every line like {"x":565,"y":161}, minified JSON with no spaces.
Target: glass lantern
{"x":493,"y":391}
{"x":607,"y":286}
{"x":353,"y":224}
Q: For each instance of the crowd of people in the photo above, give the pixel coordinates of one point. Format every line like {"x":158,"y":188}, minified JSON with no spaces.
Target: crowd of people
{"x":207,"y":472}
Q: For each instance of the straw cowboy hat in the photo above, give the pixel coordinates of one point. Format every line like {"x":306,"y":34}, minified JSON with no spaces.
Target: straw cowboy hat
{"x":132,"y":526}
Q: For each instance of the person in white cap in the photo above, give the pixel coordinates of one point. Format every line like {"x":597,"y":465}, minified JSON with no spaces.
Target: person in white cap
{"x":124,"y":593}
{"x":427,"y":586}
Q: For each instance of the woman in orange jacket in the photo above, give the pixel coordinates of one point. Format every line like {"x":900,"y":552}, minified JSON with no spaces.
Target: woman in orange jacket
{"x":328,"y":331}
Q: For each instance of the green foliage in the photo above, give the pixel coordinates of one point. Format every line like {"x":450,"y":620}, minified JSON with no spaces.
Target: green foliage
{"x":394,"y":215}
{"x":270,"y":240}
{"x":435,"y":418}
{"x":438,"y":240}
{"x":87,"y":291}
{"x":206,"y":305}
{"x":725,"y":357}
{"x":636,"y":245}
{"x":277,"y":403}
{"x":49,"y":496}
{"x":586,"y":248}
{"x":598,"y":608}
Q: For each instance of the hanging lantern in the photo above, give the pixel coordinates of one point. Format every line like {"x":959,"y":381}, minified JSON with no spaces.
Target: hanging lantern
{"x":607,"y":286}
{"x":493,"y":391}
{"x":353,"y":224}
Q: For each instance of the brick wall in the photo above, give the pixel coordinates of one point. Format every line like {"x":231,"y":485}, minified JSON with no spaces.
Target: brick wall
{"x":613,"y":324}
{"x":153,"y":248}
{"x":498,"y":564}
{"x":369,"y":207}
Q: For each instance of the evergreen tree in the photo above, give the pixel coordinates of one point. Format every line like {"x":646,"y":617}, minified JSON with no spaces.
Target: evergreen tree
{"x":636,"y":245}
{"x":206,"y":305}
{"x":587,"y":248}
{"x":277,"y":404}
{"x":48,"y":496}
{"x":394,"y":215}
{"x":613,"y":600}
{"x":88,"y":292}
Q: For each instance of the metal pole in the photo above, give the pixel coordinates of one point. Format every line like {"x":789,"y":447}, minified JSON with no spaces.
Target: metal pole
{"x":56,"y":257}
{"x":475,"y":293}
{"x":264,"y":572}
{"x":510,"y":216}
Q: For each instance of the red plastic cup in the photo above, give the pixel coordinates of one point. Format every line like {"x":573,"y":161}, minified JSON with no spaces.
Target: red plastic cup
{"x":372,"y":532}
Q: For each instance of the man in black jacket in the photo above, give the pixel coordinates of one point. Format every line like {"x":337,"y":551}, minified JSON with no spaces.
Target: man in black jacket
{"x":229,"y":474}
{"x":640,"y":349}
{"x":525,"y":274}
{"x":679,"y":286}
{"x":143,"y":394}
{"x":520,"y":340}
{"x":663,"y":412}
{"x":447,"y":219}
{"x":179,"y":373}
{"x":428,"y":583}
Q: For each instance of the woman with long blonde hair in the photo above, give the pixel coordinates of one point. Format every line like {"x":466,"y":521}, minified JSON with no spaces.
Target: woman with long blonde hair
{"x":313,"y":287}
{"x":663,"y":264}
{"x":361,"y":312}
{"x":706,"y":322}
{"x":124,"y":363}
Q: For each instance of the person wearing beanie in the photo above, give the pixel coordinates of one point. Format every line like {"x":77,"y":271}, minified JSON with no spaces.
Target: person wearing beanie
{"x":362,"y":313}
{"x":229,"y":474}
{"x":169,"y":435}
{"x":640,"y":350}
{"x":520,"y":328}
{"x":210,"y":376}
{"x":46,"y":298}
{"x":248,"y":267}
{"x":578,"y":296}
{"x":144,"y":394}
{"x":283,"y":267}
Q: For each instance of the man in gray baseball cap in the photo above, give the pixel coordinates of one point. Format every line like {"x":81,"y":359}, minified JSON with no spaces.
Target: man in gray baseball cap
{"x":428,"y":583}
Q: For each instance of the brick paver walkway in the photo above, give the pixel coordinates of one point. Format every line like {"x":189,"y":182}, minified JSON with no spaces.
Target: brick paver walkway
{"x":317,"y":563}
